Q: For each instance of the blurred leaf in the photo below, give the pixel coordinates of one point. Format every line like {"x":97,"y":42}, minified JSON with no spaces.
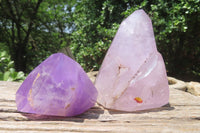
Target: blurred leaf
{"x":6,"y":76}
{"x":20,"y":75}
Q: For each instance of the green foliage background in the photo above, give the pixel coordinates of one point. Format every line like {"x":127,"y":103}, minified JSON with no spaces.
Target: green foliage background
{"x":7,"y":71}
{"x":175,"y":26}
{"x":32,"y":30}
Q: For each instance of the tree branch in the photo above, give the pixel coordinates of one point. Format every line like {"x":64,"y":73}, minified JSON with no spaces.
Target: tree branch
{"x":12,"y":14}
{"x":31,"y":21}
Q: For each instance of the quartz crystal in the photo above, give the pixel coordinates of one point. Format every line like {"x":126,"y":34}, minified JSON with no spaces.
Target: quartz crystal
{"x":133,"y":76}
{"x":58,"y":86}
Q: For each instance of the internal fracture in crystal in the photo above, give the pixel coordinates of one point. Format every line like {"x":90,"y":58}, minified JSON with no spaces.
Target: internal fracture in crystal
{"x":58,"y":86}
{"x":133,"y":76}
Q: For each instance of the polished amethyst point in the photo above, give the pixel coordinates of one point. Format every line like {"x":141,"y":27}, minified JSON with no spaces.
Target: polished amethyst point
{"x":133,"y":75}
{"x":58,"y":86}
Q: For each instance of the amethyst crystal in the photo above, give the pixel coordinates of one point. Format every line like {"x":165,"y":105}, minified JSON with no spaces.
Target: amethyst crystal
{"x":58,"y":86}
{"x":133,"y":75}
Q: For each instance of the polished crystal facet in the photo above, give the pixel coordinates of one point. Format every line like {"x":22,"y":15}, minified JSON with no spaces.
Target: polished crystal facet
{"x":58,"y":86}
{"x":133,"y":75}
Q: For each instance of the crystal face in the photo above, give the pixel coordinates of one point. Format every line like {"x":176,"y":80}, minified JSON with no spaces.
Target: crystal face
{"x":58,"y":86}
{"x":133,"y":76}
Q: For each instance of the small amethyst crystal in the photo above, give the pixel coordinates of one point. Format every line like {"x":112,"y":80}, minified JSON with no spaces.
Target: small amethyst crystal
{"x":58,"y":86}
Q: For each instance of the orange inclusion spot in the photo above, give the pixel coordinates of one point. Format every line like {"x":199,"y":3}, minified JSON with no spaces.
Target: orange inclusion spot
{"x":67,"y":106}
{"x":73,"y":89}
{"x":38,"y":75}
{"x":138,"y":100}
{"x":30,"y":97}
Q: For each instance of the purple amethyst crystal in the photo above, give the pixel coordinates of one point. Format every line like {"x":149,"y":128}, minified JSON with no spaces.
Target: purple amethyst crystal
{"x":58,"y":86}
{"x":132,"y":76}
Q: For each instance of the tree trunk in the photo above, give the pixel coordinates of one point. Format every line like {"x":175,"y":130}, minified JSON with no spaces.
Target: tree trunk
{"x":67,"y":51}
{"x":19,"y":57}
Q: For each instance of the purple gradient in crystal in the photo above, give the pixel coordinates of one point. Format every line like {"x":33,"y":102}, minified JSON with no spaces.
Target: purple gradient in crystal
{"x":58,"y":86}
{"x":133,"y":68}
